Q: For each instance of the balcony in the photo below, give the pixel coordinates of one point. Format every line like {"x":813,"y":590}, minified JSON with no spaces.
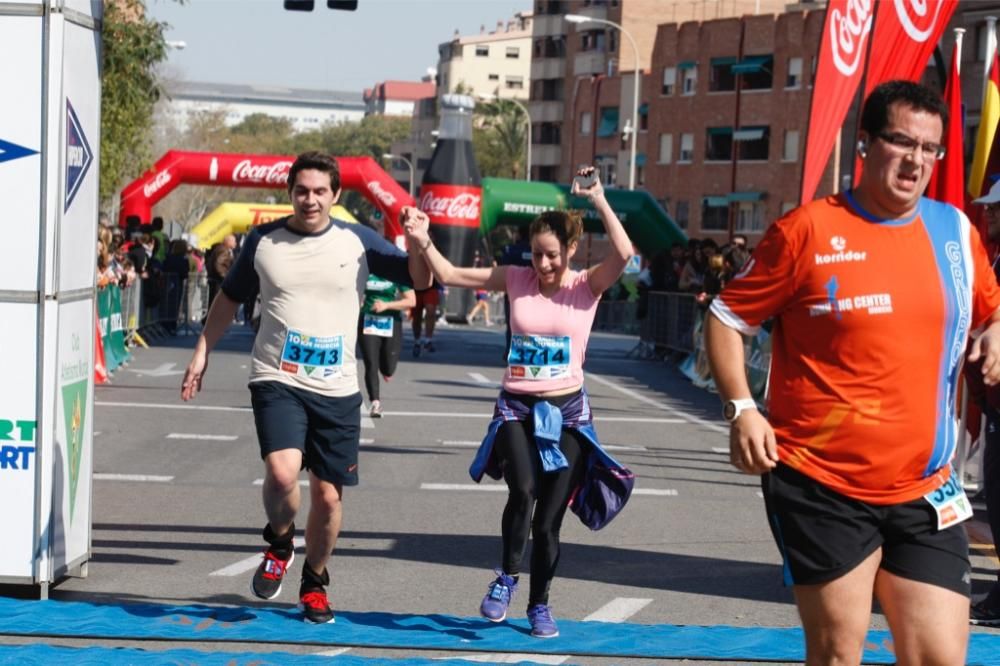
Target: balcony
{"x":545,"y":155}
{"x":545,"y":26}
{"x":589,"y":62}
{"x":548,"y":68}
{"x":546,"y":112}
{"x":597,"y":10}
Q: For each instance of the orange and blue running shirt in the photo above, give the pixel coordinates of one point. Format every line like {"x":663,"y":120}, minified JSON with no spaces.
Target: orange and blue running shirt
{"x":871,"y":321}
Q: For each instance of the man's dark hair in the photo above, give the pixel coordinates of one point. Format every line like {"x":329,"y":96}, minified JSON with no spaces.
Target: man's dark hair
{"x":158,"y":223}
{"x":875,"y":114}
{"x":318,"y":161}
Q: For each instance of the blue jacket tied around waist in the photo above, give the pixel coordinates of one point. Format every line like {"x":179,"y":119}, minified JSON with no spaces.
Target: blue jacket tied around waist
{"x":607,"y":484}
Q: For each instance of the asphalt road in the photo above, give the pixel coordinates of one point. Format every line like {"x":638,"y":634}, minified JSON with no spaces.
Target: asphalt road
{"x":177,"y":511}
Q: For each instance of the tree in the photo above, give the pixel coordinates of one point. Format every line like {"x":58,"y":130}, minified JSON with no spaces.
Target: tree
{"x":132,"y":48}
{"x":498,"y":139}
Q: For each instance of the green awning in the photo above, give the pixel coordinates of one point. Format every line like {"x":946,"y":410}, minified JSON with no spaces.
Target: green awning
{"x":687,"y":64}
{"x":609,"y":122}
{"x":716,"y":202}
{"x":712,"y":131}
{"x":643,"y":109}
{"x":753,"y":64}
{"x":746,"y":196}
{"x":640,"y":159}
{"x":720,"y":62}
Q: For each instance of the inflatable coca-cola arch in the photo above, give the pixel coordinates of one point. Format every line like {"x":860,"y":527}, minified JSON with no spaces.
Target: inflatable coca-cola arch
{"x":178,"y":167}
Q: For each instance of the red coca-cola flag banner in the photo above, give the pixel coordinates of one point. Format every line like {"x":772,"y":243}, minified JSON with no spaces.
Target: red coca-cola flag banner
{"x":906,"y":32}
{"x":838,"y":73}
{"x":362,"y":174}
{"x":455,"y":205}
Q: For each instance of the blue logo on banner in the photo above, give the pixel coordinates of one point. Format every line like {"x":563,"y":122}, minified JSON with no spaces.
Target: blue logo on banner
{"x":78,"y":155}
{"x":11,"y":151}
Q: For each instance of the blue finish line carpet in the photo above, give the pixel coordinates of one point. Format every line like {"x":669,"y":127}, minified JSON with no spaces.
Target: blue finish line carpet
{"x":198,"y":623}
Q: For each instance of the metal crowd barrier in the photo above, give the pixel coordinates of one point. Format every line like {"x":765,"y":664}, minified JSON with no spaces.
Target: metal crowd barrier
{"x":164,"y":304}
{"x":670,"y":321}
{"x":616,"y":317}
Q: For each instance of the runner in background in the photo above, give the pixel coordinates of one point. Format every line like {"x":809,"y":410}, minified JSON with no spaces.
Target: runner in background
{"x":541,"y":439}
{"x":380,"y":331}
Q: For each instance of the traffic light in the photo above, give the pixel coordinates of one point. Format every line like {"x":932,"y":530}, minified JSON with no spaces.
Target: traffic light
{"x":308,"y":5}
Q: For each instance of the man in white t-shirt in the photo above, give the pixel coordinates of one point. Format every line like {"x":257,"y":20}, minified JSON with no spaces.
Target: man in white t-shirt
{"x":311,"y":271}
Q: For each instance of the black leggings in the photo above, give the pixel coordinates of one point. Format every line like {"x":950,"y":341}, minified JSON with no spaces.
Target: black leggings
{"x":531,"y":488}
{"x":380,"y":354}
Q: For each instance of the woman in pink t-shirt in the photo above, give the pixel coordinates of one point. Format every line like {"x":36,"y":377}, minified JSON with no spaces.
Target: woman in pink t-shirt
{"x":541,"y":436}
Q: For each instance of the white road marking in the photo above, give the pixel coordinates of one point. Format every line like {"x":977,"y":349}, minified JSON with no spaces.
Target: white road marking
{"x":720,"y":449}
{"x":365,"y":440}
{"x":618,"y":610}
{"x":260,"y":482}
{"x":483,"y":379}
{"x":250,"y":563}
{"x":149,"y":405}
{"x":485,"y":416}
{"x":760,"y":494}
{"x":635,"y":395}
{"x":622,"y":447}
{"x":132,"y":477}
{"x":184,"y":435}
{"x":460,"y":443}
{"x":464,"y":486}
{"x":499,"y":487}
{"x":162,"y":370}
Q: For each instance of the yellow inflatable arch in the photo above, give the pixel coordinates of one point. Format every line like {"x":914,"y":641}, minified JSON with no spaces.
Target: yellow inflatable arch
{"x":237,"y":218}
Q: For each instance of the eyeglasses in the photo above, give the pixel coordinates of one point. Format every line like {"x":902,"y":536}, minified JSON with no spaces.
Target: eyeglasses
{"x":931,"y":150}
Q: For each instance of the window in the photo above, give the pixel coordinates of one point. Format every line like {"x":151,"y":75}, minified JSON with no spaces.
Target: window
{"x":643,"y":117}
{"x":720,"y":75}
{"x":687,"y":148}
{"x":666,"y":149}
{"x":586,"y":122}
{"x":690,"y":81}
{"x":550,"y":47}
{"x":548,"y":134}
{"x":513,"y":52}
{"x":794,"y":78}
{"x":609,"y":122}
{"x":669,"y":80}
{"x":790,"y":153}
{"x":609,"y":172}
{"x":757,"y":72}
{"x":719,"y":143}
{"x":593,"y":40}
{"x":514,"y":82}
{"x":714,"y":213}
{"x":750,"y":216}
{"x":982,"y":39}
{"x":494,"y":77}
{"x":482,"y":51}
{"x":682,"y":212}
{"x":754,"y":142}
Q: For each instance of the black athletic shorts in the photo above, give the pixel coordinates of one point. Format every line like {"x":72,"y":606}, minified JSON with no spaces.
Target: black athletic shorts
{"x":822,"y":535}
{"x":327,"y":430}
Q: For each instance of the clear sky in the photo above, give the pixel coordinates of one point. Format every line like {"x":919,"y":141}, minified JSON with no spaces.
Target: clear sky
{"x":258,"y":42}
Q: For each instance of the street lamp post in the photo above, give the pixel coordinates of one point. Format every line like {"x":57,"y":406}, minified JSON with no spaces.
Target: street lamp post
{"x":578,"y":18}
{"x":527,"y":115}
{"x":393,"y":156}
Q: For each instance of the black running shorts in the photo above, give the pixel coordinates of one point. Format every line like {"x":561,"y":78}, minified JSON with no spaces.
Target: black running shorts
{"x":822,"y":535}
{"x":327,"y":430}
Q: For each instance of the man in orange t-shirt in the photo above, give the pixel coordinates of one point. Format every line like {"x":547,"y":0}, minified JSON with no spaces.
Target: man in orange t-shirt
{"x":874,"y":293}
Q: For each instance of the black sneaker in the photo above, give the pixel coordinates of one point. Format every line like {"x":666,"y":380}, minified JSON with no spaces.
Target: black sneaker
{"x":429,"y":346}
{"x":416,"y":349}
{"x":266,"y":581}
{"x":313,"y":602}
{"x":984,"y":614}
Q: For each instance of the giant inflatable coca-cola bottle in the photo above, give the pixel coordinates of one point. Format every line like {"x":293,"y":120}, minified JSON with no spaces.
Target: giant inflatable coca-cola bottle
{"x":451,"y":194}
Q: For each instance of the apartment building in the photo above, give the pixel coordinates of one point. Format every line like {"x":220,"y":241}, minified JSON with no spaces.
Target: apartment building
{"x":396,"y":98}
{"x":496,"y":63}
{"x":583,"y":77}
